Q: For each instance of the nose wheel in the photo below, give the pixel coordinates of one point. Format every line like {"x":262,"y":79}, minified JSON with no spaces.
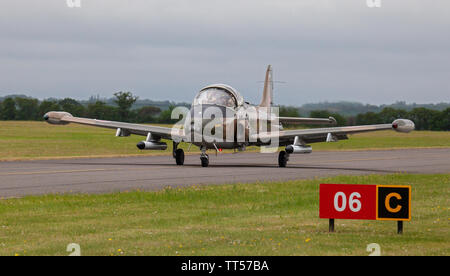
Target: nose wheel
{"x":204,"y":158}
{"x":283,"y":157}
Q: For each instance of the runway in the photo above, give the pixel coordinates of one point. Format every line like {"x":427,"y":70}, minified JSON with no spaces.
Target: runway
{"x":103,"y":175}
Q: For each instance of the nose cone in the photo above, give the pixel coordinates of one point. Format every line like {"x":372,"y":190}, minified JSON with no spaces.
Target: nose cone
{"x":46,"y":116}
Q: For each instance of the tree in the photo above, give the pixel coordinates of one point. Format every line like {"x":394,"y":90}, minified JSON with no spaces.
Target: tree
{"x":165,"y":117}
{"x":8,"y":109}
{"x":147,"y":114}
{"x":425,"y":119}
{"x":444,"y":120}
{"x":340,"y":120}
{"x":73,"y":107}
{"x":27,"y":109}
{"x":389,"y":114}
{"x":289,"y":111}
{"x":369,"y":118}
{"x":47,"y":106}
{"x":100,"y":110}
{"x":124,"y":101}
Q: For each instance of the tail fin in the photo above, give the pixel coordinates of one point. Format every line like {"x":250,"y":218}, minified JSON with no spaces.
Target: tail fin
{"x":268,"y":89}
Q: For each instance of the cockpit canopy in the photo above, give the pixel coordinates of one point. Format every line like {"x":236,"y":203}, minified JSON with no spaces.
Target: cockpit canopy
{"x":215,"y":96}
{"x":218,"y":94}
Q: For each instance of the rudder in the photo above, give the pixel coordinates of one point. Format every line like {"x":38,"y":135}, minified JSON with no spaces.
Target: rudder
{"x":268,"y":89}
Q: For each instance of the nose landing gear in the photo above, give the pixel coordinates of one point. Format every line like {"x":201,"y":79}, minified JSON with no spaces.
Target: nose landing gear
{"x":204,"y":158}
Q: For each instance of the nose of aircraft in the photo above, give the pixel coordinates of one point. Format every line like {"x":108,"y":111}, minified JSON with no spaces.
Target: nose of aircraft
{"x":202,"y":115}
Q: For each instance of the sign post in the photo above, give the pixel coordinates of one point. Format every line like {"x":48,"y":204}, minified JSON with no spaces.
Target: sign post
{"x":331,"y":225}
{"x":400,"y":227}
{"x":367,"y":202}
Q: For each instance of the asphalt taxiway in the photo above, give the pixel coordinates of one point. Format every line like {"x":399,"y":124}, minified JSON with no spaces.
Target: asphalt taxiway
{"x":103,"y":175}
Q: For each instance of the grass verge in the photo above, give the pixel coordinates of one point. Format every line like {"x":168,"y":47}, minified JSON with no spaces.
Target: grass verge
{"x":38,"y":140}
{"x":273,"y":218}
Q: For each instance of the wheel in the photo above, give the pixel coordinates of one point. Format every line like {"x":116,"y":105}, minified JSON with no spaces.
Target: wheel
{"x":205,"y":161}
{"x":282,"y":159}
{"x":179,"y":157}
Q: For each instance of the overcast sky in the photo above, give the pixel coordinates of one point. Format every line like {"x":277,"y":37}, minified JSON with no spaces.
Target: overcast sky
{"x":325,"y":50}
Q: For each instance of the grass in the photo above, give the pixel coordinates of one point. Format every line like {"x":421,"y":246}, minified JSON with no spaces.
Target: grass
{"x":390,"y":139}
{"x":34,"y":140}
{"x":273,"y":218}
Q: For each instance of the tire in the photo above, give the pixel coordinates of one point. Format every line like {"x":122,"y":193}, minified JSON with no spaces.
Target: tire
{"x":179,"y":157}
{"x":282,"y":159}
{"x":204,"y":161}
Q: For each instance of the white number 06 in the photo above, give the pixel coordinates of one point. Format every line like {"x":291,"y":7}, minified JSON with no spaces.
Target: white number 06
{"x":353,"y":204}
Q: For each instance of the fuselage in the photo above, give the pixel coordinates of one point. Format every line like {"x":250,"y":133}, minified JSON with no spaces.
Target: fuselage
{"x":219,"y":118}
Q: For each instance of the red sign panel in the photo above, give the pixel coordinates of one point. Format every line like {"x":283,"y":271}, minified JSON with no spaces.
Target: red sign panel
{"x":345,"y":201}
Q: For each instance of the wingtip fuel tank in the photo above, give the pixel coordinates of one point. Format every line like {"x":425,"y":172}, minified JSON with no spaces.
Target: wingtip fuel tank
{"x":403,"y":125}
{"x":56,"y":117}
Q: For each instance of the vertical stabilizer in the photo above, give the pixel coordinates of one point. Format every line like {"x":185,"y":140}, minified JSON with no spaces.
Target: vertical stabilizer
{"x":268,"y":89}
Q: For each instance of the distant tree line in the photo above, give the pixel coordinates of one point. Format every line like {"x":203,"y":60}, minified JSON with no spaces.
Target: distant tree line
{"x":30,"y":109}
{"x":423,"y":118}
{"x":348,"y":109}
{"x":25,"y":108}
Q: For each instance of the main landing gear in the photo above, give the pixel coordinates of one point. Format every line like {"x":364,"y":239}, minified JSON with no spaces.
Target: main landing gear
{"x":179,"y":157}
{"x":178,"y":154}
{"x":283,"y":158}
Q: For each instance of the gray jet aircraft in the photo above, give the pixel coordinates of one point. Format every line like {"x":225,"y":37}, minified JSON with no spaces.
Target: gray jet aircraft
{"x":219,"y":118}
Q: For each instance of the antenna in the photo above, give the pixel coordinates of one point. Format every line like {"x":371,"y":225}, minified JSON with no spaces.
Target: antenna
{"x":271,"y":90}
{"x":273,"y":82}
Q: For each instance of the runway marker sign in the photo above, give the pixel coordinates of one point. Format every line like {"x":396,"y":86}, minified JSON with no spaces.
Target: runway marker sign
{"x":367,"y":202}
{"x":394,"y":202}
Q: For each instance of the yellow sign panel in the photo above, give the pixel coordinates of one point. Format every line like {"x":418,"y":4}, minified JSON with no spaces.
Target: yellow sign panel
{"x":393,"y":202}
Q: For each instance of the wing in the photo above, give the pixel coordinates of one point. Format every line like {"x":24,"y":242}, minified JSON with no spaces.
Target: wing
{"x":333,"y":133}
{"x":123,"y":129}
{"x":307,"y":121}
